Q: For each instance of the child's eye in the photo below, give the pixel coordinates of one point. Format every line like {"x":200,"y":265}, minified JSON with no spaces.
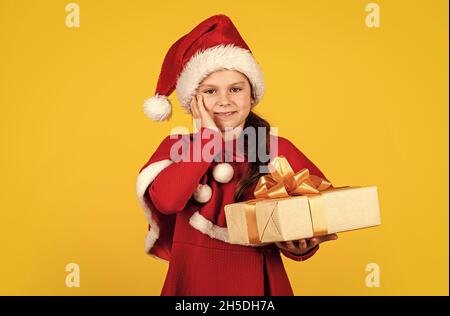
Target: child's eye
{"x":236,"y":89}
{"x":209,"y":91}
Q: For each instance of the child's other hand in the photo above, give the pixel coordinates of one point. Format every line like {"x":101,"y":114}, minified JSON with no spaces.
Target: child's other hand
{"x":302,"y":246}
{"x":201,"y":116}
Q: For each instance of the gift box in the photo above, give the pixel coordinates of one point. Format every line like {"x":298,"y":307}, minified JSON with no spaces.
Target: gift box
{"x":292,"y":206}
{"x":296,"y":217}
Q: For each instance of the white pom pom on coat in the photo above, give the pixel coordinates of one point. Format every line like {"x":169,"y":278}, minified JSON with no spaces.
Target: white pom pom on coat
{"x":158,"y":108}
{"x":203,"y":193}
{"x":223,"y":172}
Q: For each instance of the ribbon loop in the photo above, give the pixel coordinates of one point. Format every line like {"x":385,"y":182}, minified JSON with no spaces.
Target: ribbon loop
{"x":283,"y":182}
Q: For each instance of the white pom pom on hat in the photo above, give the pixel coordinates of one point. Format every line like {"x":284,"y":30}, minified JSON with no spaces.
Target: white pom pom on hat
{"x":212,"y":45}
{"x":158,"y":108}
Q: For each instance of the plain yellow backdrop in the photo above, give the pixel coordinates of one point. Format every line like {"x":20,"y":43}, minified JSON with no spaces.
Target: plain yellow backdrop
{"x":369,"y":106}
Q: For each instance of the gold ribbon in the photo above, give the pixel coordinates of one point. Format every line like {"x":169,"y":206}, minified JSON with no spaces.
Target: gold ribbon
{"x":283,"y":182}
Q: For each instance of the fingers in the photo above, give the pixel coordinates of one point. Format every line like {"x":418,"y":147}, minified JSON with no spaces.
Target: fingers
{"x":302,"y":244}
{"x":194,"y":108}
{"x":205,"y":117}
{"x":195,"y":113}
{"x":313,"y":242}
{"x":198,"y":107}
{"x":279,"y":244}
{"x":285,"y":245}
{"x":327,"y":238}
{"x":290,"y":245}
{"x":201,"y":104}
{"x":305,"y":244}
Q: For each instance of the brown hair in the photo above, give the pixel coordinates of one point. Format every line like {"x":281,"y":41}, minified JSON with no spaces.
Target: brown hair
{"x":253,"y":173}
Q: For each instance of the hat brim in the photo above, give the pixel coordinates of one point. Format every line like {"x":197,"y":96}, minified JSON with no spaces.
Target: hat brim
{"x":215,"y":58}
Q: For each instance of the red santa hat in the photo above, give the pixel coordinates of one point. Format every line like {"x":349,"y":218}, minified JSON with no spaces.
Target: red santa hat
{"x":212,"y":45}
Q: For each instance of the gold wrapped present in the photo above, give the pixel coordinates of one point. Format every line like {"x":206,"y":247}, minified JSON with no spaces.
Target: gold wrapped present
{"x":292,"y":206}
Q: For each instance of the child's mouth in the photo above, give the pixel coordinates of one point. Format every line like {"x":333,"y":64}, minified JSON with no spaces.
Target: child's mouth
{"x":225,"y":115}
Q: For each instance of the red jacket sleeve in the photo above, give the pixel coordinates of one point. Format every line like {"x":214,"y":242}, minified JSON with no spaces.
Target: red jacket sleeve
{"x":172,"y":189}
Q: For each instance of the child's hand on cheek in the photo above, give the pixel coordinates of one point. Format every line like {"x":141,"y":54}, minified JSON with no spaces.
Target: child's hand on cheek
{"x":201,"y":116}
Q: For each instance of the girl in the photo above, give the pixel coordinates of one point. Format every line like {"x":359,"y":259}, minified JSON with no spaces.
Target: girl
{"x":218,"y":81}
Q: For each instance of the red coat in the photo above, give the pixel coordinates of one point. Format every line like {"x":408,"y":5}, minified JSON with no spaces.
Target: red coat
{"x":193,"y":236}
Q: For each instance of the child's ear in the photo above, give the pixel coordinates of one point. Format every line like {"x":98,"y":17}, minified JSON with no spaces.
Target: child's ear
{"x":252,"y":98}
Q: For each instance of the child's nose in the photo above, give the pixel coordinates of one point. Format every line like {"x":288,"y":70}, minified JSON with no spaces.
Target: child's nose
{"x":224,"y":99}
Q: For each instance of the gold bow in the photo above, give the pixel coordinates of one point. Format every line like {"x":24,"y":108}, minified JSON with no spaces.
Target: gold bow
{"x":283,"y":182}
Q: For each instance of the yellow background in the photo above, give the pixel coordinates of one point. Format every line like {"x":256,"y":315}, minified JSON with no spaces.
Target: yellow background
{"x":369,"y":106}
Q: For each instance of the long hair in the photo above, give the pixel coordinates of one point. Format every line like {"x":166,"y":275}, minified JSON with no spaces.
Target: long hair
{"x":253,"y":173}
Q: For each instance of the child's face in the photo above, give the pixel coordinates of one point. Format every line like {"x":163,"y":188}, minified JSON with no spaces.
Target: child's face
{"x":227,"y":98}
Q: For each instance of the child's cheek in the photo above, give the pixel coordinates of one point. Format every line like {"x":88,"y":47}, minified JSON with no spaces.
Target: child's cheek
{"x":242,"y":101}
